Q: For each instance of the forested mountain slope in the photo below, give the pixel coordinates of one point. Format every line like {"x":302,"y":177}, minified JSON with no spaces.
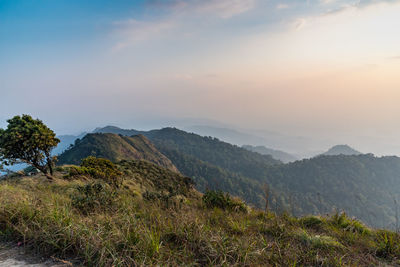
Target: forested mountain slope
{"x":341,"y":150}
{"x":276,"y":154}
{"x":365,"y":186}
{"x":362,"y":185}
{"x":115,"y":148}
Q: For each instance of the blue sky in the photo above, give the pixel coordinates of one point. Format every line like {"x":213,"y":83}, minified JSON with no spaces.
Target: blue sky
{"x":326,"y":68}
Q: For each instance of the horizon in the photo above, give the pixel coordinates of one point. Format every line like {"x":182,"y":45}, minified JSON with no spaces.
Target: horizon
{"x":323,"y":71}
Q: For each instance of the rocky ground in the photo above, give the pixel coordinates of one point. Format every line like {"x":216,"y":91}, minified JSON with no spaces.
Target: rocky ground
{"x":13,"y":255}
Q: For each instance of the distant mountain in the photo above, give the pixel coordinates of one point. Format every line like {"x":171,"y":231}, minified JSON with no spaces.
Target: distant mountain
{"x":302,"y":147}
{"x":115,"y":148}
{"x":341,"y":150}
{"x":116,"y":130}
{"x":212,"y":163}
{"x":276,"y":154}
{"x":225,"y":134}
{"x":65,"y":142}
{"x":208,"y":149}
{"x":364,"y":186}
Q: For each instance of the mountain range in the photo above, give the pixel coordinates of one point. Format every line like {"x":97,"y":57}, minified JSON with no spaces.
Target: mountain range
{"x":365,"y":186}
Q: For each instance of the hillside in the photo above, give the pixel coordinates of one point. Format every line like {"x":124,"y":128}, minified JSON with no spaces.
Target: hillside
{"x":156,"y":219}
{"x":341,"y":150}
{"x":209,"y":176}
{"x":208,"y":149}
{"x":276,"y":154}
{"x":115,"y":148}
{"x":363,"y":185}
{"x":226,"y":134}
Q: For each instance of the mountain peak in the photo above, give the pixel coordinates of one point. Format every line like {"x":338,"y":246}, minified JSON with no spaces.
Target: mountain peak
{"x":341,"y":150}
{"x":116,"y":148}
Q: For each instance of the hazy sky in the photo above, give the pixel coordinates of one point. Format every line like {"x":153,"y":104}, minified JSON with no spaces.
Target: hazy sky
{"x":322,"y":68}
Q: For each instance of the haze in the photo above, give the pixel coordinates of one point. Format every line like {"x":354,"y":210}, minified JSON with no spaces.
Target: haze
{"x":324,"y":69}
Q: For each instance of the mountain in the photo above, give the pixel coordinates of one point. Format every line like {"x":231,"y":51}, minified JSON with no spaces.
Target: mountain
{"x":364,"y":186}
{"x":209,"y":176}
{"x":226,"y":134}
{"x":341,"y":150}
{"x":276,"y":154}
{"x":65,"y":142}
{"x":115,"y":148}
{"x":116,"y":130}
{"x":208,"y":149}
{"x":211,"y":163}
{"x":156,"y":218}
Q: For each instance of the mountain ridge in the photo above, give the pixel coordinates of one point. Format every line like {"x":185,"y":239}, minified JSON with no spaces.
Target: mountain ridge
{"x":115,"y":148}
{"x":341,"y":150}
{"x":276,"y":154}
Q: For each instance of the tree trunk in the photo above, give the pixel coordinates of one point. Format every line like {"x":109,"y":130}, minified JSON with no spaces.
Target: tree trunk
{"x":43,"y":169}
{"x":50,"y":165}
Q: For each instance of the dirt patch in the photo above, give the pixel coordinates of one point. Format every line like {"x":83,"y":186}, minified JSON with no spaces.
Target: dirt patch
{"x":12,"y":255}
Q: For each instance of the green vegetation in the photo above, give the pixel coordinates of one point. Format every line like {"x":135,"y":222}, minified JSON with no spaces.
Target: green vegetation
{"x":26,"y":140}
{"x":98,"y":168}
{"x":276,"y":154}
{"x":219,"y":199}
{"x":85,"y":220}
{"x":341,"y":150}
{"x":115,"y":148}
{"x":364,"y":186}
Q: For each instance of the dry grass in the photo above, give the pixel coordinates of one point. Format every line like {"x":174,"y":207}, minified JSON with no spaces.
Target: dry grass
{"x":134,"y":231}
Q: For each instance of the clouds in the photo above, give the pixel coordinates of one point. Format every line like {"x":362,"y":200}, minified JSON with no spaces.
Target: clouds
{"x":221,"y":8}
{"x":282,"y":6}
{"x":224,"y":8}
{"x":176,"y":19}
{"x":132,"y":31}
{"x":263,"y":59}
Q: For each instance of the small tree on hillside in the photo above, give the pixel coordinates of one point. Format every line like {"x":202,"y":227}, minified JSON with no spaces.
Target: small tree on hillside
{"x":26,"y":140}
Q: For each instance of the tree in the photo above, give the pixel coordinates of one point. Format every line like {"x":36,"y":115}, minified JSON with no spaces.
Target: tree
{"x":28,"y":140}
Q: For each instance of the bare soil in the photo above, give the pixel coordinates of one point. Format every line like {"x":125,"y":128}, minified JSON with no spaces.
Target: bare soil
{"x":16,"y":256}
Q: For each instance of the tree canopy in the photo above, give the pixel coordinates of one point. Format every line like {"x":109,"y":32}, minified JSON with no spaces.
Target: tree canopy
{"x":28,"y":140}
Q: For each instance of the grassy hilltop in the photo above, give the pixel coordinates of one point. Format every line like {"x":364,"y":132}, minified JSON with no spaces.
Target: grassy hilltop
{"x":155,"y":217}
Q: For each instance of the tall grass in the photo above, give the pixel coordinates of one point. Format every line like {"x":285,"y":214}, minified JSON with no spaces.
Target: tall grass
{"x":128,"y":230}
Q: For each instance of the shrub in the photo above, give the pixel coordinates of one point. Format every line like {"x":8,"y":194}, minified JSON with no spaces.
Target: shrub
{"x":318,"y":241}
{"x":340,"y":220}
{"x":92,"y":196}
{"x":311,"y":221}
{"x":98,"y":168}
{"x":388,"y":244}
{"x":222,"y":200}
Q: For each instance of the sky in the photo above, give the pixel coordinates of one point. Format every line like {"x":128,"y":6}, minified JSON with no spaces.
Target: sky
{"x":325,"y":69}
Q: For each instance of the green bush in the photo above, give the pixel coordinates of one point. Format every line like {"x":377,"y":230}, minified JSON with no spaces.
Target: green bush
{"x":222,"y":200}
{"x":318,"y":241}
{"x":98,"y":168}
{"x":388,"y":244}
{"x":311,"y":221}
{"x":92,"y":196}
{"x":341,"y":220}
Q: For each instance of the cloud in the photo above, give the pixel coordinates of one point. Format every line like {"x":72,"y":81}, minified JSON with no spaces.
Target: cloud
{"x":221,"y":8}
{"x":299,"y":23}
{"x":224,"y":8}
{"x":326,"y":2}
{"x":176,"y":14}
{"x":134,"y":31}
{"x":282,"y":6}
{"x":394,"y":57}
